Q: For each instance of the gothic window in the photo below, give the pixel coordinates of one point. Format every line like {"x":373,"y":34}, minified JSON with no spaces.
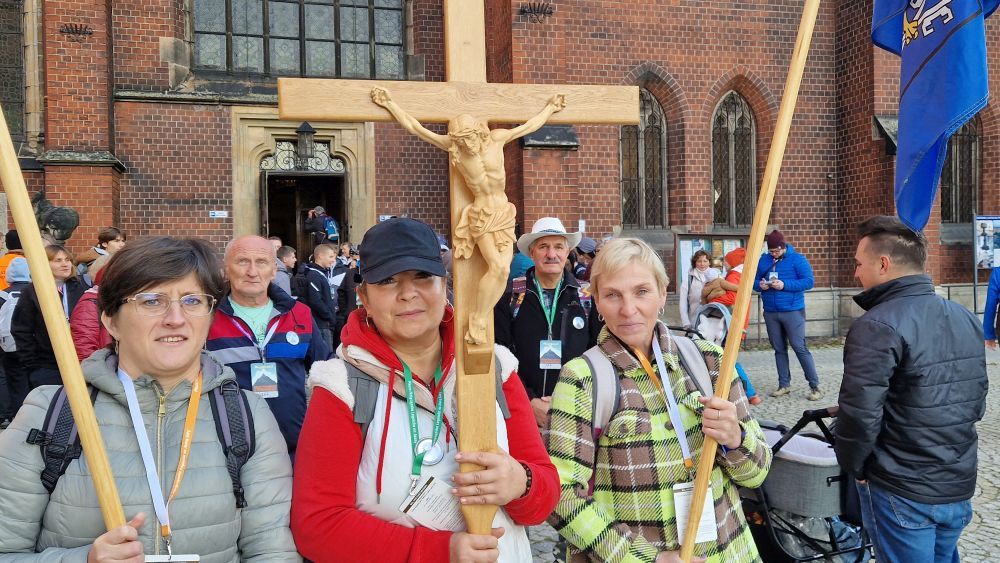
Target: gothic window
{"x":643,"y":164}
{"x":960,"y":175}
{"x":12,"y":66}
{"x":339,"y":38}
{"x":734,"y":180}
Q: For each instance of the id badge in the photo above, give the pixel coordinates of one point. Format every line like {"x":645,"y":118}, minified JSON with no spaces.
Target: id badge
{"x":683,"y":493}
{"x":433,"y":506}
{"x":264,"y":379}
{"x":550,"y":354}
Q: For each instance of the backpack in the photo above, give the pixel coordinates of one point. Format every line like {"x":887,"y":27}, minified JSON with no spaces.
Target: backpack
{"x":300,"y":285}
{"x":60,"y":443}
{"x":365,"y":391}
{"x":330,"y":224}
{"x":606,"y":389}
{"x":6,"y":317}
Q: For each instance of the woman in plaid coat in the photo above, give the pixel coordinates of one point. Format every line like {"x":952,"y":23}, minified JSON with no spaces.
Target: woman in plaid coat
{"x":618,"y":476}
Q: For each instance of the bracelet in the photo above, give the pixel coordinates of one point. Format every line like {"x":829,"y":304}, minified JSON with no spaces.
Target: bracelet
{"x":527,"y":482}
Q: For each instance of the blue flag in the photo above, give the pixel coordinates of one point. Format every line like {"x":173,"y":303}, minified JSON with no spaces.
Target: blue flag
{"x":943,"y":84}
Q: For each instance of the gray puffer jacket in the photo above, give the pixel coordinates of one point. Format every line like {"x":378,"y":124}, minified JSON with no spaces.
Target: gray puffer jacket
{"x":35,"y":526}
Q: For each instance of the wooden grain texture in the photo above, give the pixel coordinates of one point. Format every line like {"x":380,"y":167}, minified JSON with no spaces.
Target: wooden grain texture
{"x":465,"y":40}
{"x":315,"y":99}
{"x":754,"y":246}
{"x":58,"y":329}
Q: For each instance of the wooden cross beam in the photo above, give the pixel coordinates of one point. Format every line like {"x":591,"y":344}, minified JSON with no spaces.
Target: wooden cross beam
{"x":468,"y":102}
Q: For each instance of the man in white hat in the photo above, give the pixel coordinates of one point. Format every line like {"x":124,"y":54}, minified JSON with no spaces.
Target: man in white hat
{"x":545,"y":317}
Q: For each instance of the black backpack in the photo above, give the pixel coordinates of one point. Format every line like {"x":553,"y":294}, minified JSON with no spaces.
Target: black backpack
{"x":60,"y":442}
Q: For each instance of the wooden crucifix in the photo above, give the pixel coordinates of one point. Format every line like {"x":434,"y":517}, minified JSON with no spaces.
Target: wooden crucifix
{"x":482,"y":220}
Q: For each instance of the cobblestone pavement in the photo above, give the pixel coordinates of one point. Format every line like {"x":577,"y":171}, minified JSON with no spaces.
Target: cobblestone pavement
{"x":981,"y":540}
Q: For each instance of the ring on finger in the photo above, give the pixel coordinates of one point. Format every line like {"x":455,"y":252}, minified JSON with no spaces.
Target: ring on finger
{"x":718,"y":415}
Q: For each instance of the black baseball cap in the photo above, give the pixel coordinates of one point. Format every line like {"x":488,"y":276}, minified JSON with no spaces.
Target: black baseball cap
{"x":398,"y":245}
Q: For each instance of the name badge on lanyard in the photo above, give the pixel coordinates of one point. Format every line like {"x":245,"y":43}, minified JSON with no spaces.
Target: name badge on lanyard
{"x":263,"y":374}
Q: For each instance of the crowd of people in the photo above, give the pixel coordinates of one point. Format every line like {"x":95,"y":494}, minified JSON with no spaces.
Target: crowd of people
{"x":260,"y":409}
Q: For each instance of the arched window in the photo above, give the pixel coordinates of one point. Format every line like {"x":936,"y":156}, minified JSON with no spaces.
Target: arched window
{"x":341,"y":38}
{"x":734,"y":181}
{"x":643,"y":168}
{"x":960,"y":175}
{"x":12,"y":92}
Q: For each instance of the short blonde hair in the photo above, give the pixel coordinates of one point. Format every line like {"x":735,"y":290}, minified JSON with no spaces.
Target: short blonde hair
{"x":618,"y":253}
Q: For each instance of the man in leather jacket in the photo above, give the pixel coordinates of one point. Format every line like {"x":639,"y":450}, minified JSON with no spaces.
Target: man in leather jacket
{"x":914,"y":387}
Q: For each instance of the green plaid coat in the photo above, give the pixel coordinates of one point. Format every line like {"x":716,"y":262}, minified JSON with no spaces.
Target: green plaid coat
{"x":637,"y":460}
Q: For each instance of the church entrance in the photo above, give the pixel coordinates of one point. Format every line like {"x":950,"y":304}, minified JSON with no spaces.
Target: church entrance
{"x":290,"y":188}
{"x":289,"y":199}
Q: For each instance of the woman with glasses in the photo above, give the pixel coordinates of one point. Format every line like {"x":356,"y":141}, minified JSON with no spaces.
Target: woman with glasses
{"x":28,"y":327}
{"x":153,"y":392}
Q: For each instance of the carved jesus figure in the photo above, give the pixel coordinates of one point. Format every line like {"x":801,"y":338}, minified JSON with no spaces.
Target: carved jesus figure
{"x":487,"y":223}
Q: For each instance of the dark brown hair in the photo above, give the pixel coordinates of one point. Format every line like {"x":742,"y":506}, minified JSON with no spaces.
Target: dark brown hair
{"x":699,"y":254}
{"x":108,"y":234}
{"x":154,"y":261}
{"x":888,"y":236}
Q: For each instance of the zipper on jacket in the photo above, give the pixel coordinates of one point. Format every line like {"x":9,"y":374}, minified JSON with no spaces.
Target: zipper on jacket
{"x":161,"y":413}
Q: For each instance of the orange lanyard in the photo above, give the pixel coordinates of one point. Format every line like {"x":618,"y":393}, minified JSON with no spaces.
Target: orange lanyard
{"x":153,"y":480}
{"x":190,"y":421}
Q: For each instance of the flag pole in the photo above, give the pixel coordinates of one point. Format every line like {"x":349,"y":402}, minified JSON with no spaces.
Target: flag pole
{"x":761,"y":215}
{"x":58,"y":328}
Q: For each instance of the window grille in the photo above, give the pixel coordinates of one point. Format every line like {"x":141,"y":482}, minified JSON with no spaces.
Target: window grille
{"x":12,"y":66}
{"x":332,"y":38}
{"x":734,"y":180}
{"x":960,"y":176}
{"x":643,"y":159}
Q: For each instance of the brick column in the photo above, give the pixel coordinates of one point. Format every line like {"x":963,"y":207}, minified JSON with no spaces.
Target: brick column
{"x":81,"y":170}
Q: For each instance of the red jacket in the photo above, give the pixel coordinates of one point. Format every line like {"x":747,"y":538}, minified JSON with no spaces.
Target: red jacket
{"x":89,"y":334}
{"x":326,"y":523}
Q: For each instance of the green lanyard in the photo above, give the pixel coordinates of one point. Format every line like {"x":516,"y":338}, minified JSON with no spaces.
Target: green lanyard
{"x":411,"y":408}
{"x":550,"y":311}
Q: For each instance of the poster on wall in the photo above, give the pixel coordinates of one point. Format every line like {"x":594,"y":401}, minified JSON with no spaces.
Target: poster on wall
{"x":716,"y":246}
{"x":987,"y":241}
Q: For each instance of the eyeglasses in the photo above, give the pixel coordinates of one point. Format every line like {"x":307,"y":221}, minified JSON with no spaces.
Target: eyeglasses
{"x":157,"y":304}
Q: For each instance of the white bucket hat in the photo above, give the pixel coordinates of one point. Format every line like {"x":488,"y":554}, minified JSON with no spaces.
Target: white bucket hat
{"x":547,"y":227}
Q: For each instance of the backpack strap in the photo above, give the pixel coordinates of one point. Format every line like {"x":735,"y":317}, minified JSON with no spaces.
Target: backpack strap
{"x":606,"y":390}
{"x":58,"y":438}
{"x":694,"y":363}
{"x":365,"y":391}
{"x":518,"y":289}
{"x":234,"y":426}
{"x":501,"y":398}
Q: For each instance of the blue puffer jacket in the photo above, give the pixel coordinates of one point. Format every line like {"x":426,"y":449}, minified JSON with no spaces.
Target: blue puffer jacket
{"x":795,"y":271}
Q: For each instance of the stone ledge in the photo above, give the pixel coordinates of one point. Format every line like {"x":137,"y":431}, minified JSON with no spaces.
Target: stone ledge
{"x":81,"y":158}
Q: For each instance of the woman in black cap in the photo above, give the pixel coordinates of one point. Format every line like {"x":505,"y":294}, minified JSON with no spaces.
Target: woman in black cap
{"x":377,"y":454}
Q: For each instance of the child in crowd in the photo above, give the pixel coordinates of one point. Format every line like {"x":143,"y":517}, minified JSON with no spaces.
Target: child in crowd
{"x":723,"y":291}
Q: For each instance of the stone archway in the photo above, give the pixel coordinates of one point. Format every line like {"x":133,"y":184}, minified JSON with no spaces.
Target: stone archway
{"x":256,"y":131}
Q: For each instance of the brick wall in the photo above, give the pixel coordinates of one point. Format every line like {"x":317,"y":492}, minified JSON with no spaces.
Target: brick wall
{"x":179,"y":161}
{"x":137,"y":51}
{"x":77,"y":86}
{"x":662,"y":46}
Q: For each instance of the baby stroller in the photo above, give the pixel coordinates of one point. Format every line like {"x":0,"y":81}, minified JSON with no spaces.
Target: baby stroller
{"x":807,"y":508}
{"x":712,"y":322}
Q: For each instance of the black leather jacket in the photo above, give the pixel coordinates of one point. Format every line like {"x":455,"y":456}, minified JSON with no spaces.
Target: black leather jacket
{"x":914,"y":386}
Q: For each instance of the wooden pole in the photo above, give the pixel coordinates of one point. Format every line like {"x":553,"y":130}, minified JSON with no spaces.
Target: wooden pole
{"x":760,"y":219}
{"x":58,"y":328}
